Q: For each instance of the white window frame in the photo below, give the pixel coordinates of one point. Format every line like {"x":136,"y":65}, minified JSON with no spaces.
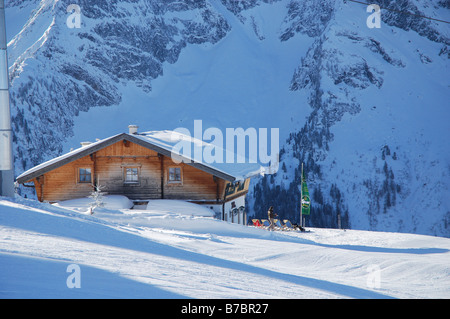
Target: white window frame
{"x":169,"y":174}
{"x":137,"y":175}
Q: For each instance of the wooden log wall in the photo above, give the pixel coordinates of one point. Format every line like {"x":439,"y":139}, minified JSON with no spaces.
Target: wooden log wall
{"x":108,"y":170}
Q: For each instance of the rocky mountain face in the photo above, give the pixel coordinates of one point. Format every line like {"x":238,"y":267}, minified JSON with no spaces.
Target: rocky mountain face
{"x":368,"y":125}
{"x":67,"y":71}
{"x":343,"y":64}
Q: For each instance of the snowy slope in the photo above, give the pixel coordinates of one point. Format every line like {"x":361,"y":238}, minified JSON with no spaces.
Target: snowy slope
{"x":165,"y":252}
{"x":240,"y":81}
{"x":375,"y":145}
{"x":405,"y":115}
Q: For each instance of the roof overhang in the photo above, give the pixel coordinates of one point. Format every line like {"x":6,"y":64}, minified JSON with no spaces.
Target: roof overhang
{"x":57,"y":162}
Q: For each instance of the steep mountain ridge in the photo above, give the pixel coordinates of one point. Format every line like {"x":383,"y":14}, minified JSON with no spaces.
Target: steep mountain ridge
{"x":72,"y":70}
{"x":363,"y":80}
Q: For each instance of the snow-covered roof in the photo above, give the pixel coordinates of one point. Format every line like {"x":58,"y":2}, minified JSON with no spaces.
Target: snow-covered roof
{"x":164,"y":142}
{"x":195,"y":150}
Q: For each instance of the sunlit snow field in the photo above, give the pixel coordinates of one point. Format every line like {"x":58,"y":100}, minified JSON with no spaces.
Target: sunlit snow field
{"x":173,"y":249}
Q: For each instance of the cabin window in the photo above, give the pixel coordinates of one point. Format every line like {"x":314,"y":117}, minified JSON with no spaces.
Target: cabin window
{"x":175,"y":175}
{"x":131,"y":175}
{"x":84,"y":175}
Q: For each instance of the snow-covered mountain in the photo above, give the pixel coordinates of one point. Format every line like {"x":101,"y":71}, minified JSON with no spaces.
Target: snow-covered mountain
{"x":365,"y":109}
{"x":374,"y":145}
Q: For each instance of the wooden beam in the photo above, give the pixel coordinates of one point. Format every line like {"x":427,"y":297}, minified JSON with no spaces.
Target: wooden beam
{"x":94,"y":168}
{"x":39,"y":186}
{"x":216,"y":180}
{"x":161,"y":159}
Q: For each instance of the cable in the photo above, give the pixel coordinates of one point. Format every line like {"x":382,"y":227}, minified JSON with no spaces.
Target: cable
{"x":402,"y":12}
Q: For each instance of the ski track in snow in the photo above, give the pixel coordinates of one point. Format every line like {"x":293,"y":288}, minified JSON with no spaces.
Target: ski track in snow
{"x":162,"y":253}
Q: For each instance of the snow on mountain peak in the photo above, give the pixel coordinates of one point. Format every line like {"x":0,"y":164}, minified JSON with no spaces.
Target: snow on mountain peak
{"x":341,"y":93}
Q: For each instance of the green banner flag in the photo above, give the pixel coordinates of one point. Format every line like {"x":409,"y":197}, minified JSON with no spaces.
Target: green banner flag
{"x":305,"y":198}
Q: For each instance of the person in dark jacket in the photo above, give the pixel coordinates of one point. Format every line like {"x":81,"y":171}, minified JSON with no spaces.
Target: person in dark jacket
{"x":271,"y":216}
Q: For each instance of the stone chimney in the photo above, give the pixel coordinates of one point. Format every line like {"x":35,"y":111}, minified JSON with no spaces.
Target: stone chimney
{"x":132,"y":129}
